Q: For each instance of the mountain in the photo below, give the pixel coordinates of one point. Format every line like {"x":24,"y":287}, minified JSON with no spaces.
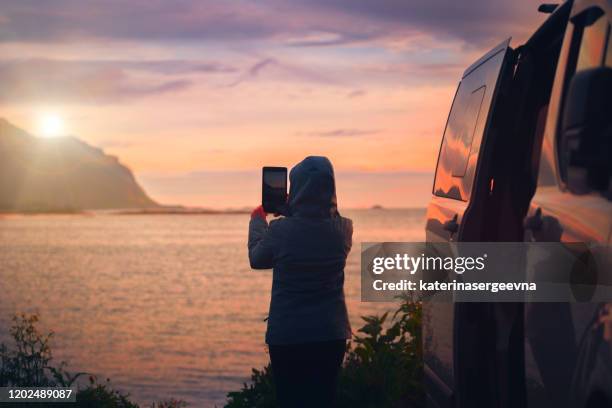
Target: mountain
{"x":60,"y":174}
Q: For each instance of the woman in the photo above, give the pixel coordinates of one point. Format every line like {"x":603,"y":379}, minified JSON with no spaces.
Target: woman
{"x":308,"y":323}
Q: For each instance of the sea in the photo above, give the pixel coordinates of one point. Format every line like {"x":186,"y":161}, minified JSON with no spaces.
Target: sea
{"x":165,"y":306}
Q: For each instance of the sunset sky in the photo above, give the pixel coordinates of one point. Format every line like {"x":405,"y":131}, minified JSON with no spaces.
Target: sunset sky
{"x":196,"y":96}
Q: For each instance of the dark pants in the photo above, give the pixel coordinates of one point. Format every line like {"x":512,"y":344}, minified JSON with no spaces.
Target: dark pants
{"x":306,"y":374}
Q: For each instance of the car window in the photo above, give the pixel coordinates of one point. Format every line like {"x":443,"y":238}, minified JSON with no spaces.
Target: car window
{"x":589,"y":38}
{"x":459,"y":135}
{"x":466,"y":126}
{"x":592,"y":46}
{"x":461,"y":128}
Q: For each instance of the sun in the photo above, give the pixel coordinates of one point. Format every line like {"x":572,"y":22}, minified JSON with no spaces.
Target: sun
{"x":50,"y":125}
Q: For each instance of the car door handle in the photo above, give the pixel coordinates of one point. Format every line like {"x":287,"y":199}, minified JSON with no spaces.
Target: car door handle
{"x":452,"y":225}
{"x":534,"y":222}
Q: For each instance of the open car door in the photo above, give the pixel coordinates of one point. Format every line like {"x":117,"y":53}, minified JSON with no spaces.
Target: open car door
{"x":458,"y":336}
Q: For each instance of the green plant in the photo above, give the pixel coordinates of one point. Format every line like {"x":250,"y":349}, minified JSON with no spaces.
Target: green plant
{"x":260,"y":393}
{"x":28,"y":364}
{"x":171,"y":403}
{"x":383,"y":366}
{"x":98,"y":395}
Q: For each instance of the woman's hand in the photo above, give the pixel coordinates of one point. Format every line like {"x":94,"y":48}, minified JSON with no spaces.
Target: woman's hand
{"x":259,"y":213}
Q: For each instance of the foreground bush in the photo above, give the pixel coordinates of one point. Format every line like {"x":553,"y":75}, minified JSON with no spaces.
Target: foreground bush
{"x":29,"y":364}
{"x":383,"y":368}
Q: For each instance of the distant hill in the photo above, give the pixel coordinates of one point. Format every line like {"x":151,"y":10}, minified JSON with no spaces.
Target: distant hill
{"x":62,"y":174}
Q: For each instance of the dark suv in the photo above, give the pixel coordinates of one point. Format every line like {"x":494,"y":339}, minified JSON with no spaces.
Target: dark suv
{"x":527,"y":155}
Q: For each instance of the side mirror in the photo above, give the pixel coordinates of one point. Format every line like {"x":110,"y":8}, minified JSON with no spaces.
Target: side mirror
{"x":587,"y":131}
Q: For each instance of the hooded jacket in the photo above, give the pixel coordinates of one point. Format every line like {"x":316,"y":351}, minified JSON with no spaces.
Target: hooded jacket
{"x":307,"y":250}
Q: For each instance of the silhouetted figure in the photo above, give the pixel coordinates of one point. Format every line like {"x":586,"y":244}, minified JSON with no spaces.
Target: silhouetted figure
{"x":308,"y":322}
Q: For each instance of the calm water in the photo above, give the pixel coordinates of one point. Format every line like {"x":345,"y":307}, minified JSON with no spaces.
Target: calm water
{"x":164,"y":305}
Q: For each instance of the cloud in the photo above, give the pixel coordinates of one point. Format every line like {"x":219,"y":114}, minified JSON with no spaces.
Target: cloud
{"x":269,"y":31}
{"x":254,"y":70}
{"x":170,"y":67}
{"x":281,"y":70}
{"x":341,"y":133}
{"x":321,"y":39}
{"x":416,"y":72}
{"x":297,"y":23}
{"x":65,"y":20}
{"x":356,"y":93}
{"x":96,"y":82}
{"x":474,"y":22}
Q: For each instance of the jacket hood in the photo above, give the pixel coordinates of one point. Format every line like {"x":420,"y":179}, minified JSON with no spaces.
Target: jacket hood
{"x":312,"y":192}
